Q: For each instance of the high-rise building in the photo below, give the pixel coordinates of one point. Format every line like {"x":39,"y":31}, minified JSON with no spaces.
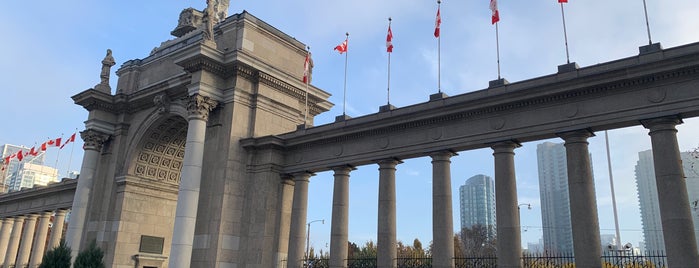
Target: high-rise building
{"x":648,"y":197}
{"x":13,"y":167}
{"x":477,"y":203}
{"x":555,"y":203}
{"x":30,"y":175}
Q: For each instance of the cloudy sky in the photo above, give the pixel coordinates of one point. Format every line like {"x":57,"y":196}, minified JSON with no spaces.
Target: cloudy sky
{"x":52,"y":51}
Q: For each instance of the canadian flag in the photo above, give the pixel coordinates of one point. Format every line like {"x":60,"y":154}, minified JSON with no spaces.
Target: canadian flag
{"x":494,"y":8}
{"x":437,"y":22}
{"x":563,"y":1}
{"x":72,"y":137}
{"x":51,"y":143}
{"x":306,"y":70}
{"x":33,"y":152}
{"x":342,"y":48}
{"x":20,"y":155}
{"x":389,"y":40}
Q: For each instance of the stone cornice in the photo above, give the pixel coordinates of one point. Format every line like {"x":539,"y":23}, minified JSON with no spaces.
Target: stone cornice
{"x":51,"y":196}
{"x":605,"y":96}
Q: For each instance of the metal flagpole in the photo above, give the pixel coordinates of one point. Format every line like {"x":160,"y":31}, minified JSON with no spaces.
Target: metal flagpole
{"x":344,"y":95}
{"x":57,"y":154}
{"x":565,"y":34}
{"x":71,"y":154}
{"x":611,"y":183}
{"x":439,"y":53}
{"x":388,"y":87}
{"x":497,"y":47}
{"x":645,"y":10}
{"x":308,"y":80}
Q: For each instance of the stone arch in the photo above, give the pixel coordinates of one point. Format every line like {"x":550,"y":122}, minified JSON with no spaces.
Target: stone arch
{"x":158,"y":148}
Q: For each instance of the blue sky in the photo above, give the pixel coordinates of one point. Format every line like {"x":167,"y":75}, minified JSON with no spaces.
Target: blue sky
{"x":52,"y":50}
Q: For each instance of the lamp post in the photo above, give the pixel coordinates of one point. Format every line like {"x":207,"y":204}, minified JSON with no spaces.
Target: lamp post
{"x":529,"y":206}
{"x":308,"y":239}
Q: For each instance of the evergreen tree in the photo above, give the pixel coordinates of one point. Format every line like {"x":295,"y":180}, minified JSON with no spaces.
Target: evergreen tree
{"x":58,"y":257}
{"x":90,"y":257}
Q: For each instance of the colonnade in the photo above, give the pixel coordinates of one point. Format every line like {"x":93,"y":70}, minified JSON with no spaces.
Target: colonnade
{"x":675,"y":211}
{"x":24,"y":239}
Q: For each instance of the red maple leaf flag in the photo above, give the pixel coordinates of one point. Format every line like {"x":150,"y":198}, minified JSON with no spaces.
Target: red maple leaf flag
{"x":20,"y":155}
{"x":342,"y":48}
{"x":563,"y":1}
{"x":33,"y":152}
{"x":306,"y":71}
{"x":72,"y":137}
{"x":389,"y":40}
{"x":494,"y":8}
{"x":437,"y":22}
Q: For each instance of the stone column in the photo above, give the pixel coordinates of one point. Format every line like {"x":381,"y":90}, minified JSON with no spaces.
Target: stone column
{"x":583,"y":201}
{"x":386,"y":241}
{"x":442,"y":219}
{"x":675,"y":213}
{"x":57,"y":229}
{"x":339,"y":229}
{"x":13,"y":245}
{"x":188,"y":196}
{"x":299,"y":212}
{"x":40,"y":239}
{"x":509,"y":240}
{"x":284,"y":223}
{"x":5,"y":231}
{"x":93,"y":141}
{"x":25,"y":246}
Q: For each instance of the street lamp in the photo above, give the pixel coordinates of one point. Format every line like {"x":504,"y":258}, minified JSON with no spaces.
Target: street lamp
{"x":308,"y":238}
{"x":529,"y":206}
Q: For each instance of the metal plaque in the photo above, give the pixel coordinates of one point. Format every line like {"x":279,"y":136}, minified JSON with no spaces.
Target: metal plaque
{"x":151,"y":244}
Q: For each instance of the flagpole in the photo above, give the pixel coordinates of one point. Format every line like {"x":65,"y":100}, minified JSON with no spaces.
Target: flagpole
{"x":344,"y":95}
{"x":388,"y":87}
{"x":645,"y":10}
{"x":71,"y":154}
{"x":308,"y":81}
{"x":58,"y":154}
{"x":439,"y":55}
{"x":497,"y":46}
{"x":565,"y":34}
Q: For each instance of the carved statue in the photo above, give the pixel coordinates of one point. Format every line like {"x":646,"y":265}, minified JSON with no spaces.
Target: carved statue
{"x":107,"y":64}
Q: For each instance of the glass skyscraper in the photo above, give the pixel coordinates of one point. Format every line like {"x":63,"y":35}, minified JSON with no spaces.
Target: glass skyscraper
{"x":477,"y":203}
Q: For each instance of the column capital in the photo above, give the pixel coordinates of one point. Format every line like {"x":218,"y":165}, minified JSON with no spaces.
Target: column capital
{"x":93,"y":139}
{"x":61,"y":212}
{"x":199,"y":107}
{"x":302,"y":176}
{"x":343,"y":170}
{"x":444,"y":155}
{"x":389,"y":163}
{"x":505,"y":146}
{"x":576,"y":136}
{"x":662,"y":123}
